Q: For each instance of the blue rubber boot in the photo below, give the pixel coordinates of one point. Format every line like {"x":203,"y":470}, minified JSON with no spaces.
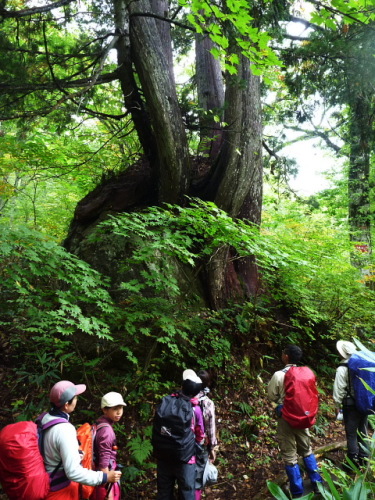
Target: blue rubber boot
{"x":295,"y":480}
{"x":312,"y":470}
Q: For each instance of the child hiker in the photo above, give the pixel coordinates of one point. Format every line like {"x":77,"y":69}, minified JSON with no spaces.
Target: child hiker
{"x":105,"y":448}
{"x":60,"y":447}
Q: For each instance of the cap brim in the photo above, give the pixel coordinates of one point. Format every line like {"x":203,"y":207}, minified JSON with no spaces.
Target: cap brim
{"x":80,"y":388}
{"x":191,"y":375}
{"x":341,"y":346}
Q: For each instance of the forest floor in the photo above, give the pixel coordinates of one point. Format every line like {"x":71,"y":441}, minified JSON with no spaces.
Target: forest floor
{"x":248,"y":454}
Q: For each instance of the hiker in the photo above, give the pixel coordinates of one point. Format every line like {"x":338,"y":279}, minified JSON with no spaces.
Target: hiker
{"x":210,"y":443}
{"x":355,"y":422}
{"x":105,"y":447}
{"x":293,"y":441}
{"x":176,"y":454}
{"x":60,"y":447}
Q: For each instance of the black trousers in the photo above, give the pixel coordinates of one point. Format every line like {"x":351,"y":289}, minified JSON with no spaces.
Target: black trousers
{"x":356,"y":431}
{"x":167,"y":475}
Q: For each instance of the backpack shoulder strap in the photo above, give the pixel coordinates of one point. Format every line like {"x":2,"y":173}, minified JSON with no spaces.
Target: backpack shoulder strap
{"x":51,"y":423}
{"x":43,"y":427}
{"x":101,"y":425}
{"x":350,"y":385}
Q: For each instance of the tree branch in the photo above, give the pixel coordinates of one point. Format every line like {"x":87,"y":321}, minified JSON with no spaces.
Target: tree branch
{"x":311,"y":134}
{"x":307,"y":24}
{"x":270,"y":151}
{"x":161,"y":18}
{"x":336,"y":11}
{"x":34,"y":10}
{"x":11,"y":88}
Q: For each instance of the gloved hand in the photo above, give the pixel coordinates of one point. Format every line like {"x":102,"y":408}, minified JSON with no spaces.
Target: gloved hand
{"x":278,"y":411}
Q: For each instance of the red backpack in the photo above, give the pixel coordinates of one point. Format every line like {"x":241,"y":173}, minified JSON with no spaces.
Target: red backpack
{"x":22,"y":472}
{"x":301,"y":400}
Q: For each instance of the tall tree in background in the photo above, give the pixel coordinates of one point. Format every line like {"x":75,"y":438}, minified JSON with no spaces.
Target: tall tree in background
{"x":336,"y":62}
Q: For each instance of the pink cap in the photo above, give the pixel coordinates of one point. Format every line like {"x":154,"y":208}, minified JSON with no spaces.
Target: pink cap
{"x":64,"y":391}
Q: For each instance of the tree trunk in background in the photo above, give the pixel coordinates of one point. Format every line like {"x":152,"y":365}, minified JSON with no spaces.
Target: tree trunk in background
{"x":360,"y":216}
{"x":361,"y":140}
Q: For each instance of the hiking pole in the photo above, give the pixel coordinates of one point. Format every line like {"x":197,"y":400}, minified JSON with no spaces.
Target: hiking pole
{"x":118,"y":467}
{"x":108,"y":491}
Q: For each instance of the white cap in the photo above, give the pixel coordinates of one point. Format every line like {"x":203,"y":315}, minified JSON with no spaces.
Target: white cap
{"x":345,"y":348}
{"x":112,"y":399}
{"x":191,"y":375}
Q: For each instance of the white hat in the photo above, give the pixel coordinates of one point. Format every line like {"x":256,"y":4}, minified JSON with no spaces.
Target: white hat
{"x":345,"y":348}
{"x":209,"y":474}
{"x":112,"y":399}
{"x":191,"y":375}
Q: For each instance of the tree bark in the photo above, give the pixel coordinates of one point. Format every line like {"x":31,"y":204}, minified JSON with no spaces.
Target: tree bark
{"x":210,"y":90}
{"x":361,"y":143}
{"x":150,"y":55}
{"x":237,"y":183}
{"x":132,"y":97}
{"x":239,"y":174}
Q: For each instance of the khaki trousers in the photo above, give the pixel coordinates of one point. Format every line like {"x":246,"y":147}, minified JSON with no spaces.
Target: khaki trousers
{"x":292,"y":442}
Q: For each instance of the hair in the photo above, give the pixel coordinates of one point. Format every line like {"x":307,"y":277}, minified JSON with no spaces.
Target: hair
{"x":190,"y":388}
{"x":294,"y":353}
{"x":54,"y":407}
{"x":205,"y":377}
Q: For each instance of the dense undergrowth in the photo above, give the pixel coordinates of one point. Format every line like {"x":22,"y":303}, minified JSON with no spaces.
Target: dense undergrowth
{"x":62,"y":319}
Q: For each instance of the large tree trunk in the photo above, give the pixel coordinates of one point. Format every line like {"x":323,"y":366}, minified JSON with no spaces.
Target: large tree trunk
{"x":132,"y":98}
{"x":151,"y":48}
{"x":232,"y":174}
{"x":237,"y":183}
{"x":238,"y":177}
{"x":210,"y":90}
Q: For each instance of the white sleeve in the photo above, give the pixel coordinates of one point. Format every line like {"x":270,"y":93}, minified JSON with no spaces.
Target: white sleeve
{"x":67,"y":446}
{"x":275,"y":389}
{"x":340,"y":385}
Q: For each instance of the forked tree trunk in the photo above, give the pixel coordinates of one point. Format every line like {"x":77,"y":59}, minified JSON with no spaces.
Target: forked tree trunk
{"x":233,"y":175}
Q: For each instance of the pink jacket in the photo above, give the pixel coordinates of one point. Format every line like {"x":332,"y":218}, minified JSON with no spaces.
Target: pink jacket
{"x":197,"y":425}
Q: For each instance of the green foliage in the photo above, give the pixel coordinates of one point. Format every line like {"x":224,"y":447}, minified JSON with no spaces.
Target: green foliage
{"x":218,"y":20}
{"x":278,"y":493}
{"x":47,"y":291}
{"x":43,"y":173}
{"x":140,"y":448}
{"x":323,"y":288}
{"x":245,"y":408}
{"x":348,"y":489}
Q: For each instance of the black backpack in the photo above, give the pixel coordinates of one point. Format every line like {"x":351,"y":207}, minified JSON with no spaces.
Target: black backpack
{"x":173,"y":439}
